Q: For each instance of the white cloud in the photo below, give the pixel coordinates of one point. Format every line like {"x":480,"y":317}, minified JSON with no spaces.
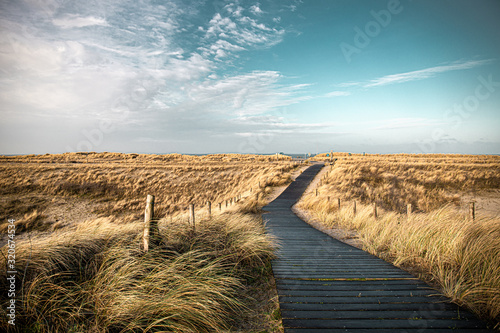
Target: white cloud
{"x":139,"y":70}
{"x":221,"y":47}
{"x":401,"y":123}
{"x":244,"y":31}
{"x":75,"y":21}
{"x":425,"y":73}
{"x":219,"y":24}
{"x":255,"y":9}
{"x":234,"y":9}
{"x":417,"y":75}
{"x":337,"y":94}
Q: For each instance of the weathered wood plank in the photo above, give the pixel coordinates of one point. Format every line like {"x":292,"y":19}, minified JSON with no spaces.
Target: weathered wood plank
{"x":373,"y":314}
{"x":384,"y":330}
{"x":355,"y":293}
{"x":396,"y":324}
{"x":424,"y":306}
{"x":363,"y":299}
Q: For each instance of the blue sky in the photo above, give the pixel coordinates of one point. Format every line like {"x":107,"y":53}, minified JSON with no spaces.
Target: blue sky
{"x":251,"y":77}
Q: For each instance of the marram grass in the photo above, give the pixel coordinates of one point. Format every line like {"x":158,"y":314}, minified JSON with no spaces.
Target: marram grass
{"x":459,"y":256}
{"x":97,"y":279}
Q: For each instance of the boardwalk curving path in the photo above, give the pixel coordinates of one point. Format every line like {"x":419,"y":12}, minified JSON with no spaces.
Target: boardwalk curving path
{"x":325,"y":285}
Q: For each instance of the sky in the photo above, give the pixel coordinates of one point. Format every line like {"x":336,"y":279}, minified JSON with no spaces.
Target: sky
{"x":295,"y":76}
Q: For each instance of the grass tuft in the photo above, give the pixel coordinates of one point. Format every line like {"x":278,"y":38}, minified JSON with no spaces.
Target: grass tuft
{"x":96,"y":278}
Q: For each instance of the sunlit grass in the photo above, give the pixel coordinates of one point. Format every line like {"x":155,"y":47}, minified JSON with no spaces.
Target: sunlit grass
{"x":97,"y":278}
{"x":442,"y":244}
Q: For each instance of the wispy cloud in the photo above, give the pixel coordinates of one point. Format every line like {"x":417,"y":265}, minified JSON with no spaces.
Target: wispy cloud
{"x":421,"y":74}
{"x":232,"y":27}
{"x":337,"y":94}
{"x":401,"y":123}
{"x":139,"y":64}
{"x":75,"y":21}
{"x":425,"y":73}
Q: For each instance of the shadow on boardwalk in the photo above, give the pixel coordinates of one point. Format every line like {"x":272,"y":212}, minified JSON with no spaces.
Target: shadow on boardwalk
{"x":325,"y":285}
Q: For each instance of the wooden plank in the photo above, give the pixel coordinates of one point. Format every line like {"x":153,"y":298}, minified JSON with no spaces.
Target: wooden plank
{"x":355,"y":293}
{"x":372,"y":314}
{"x":337,"y":275}
{"x":363,"y":299}
{"x":397,"y":324}
{"x":424,"y":306}
{"x":384,"y":330}
{"x":362,"y":285}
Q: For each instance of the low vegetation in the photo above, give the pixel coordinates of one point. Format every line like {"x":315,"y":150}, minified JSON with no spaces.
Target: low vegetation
{"x":115,"y":185}
{"x":437,"y":241}
{"x":86,"y":271}
{"x":96,"y":278}
{"x":426,"y":181}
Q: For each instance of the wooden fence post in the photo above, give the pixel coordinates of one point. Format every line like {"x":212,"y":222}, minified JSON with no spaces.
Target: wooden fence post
{"x":148,"y":216}
{"x":316,"y":192}
{"x":209,"y":208}
{"x":338,"y":202}
{"x":191,"y":216}
{"x":375,"y":210}
{"x":354,"y":207}
{"x":472,"y":210}
{"x":220,"y":206}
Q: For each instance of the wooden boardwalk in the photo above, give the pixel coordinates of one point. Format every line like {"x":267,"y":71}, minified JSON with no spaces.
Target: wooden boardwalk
{"x":325,"y":285}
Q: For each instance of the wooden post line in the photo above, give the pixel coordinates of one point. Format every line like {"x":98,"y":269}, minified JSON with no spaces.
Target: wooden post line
{"x":191,"y":217}
{"x":472,"y":210}
{"x":354,"y":207}
{"x":148,"y":216}
{"x":209,"y":208}
{"x":375,"y":215}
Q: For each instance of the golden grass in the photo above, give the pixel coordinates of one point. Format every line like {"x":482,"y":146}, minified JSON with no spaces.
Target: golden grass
{"x":96,"y":278}
{"x":116,"y":185}
{"x":90,"y":274}
{"x":439,"y":242}
{"x":426,"y":181}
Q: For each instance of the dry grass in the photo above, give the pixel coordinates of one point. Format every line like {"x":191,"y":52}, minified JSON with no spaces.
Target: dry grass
{"x":116,"y":185}
{"x":97,"y":279}
{"x":78,"y":235}
{"x":438,"y":242}
{"x":426,"y":181}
